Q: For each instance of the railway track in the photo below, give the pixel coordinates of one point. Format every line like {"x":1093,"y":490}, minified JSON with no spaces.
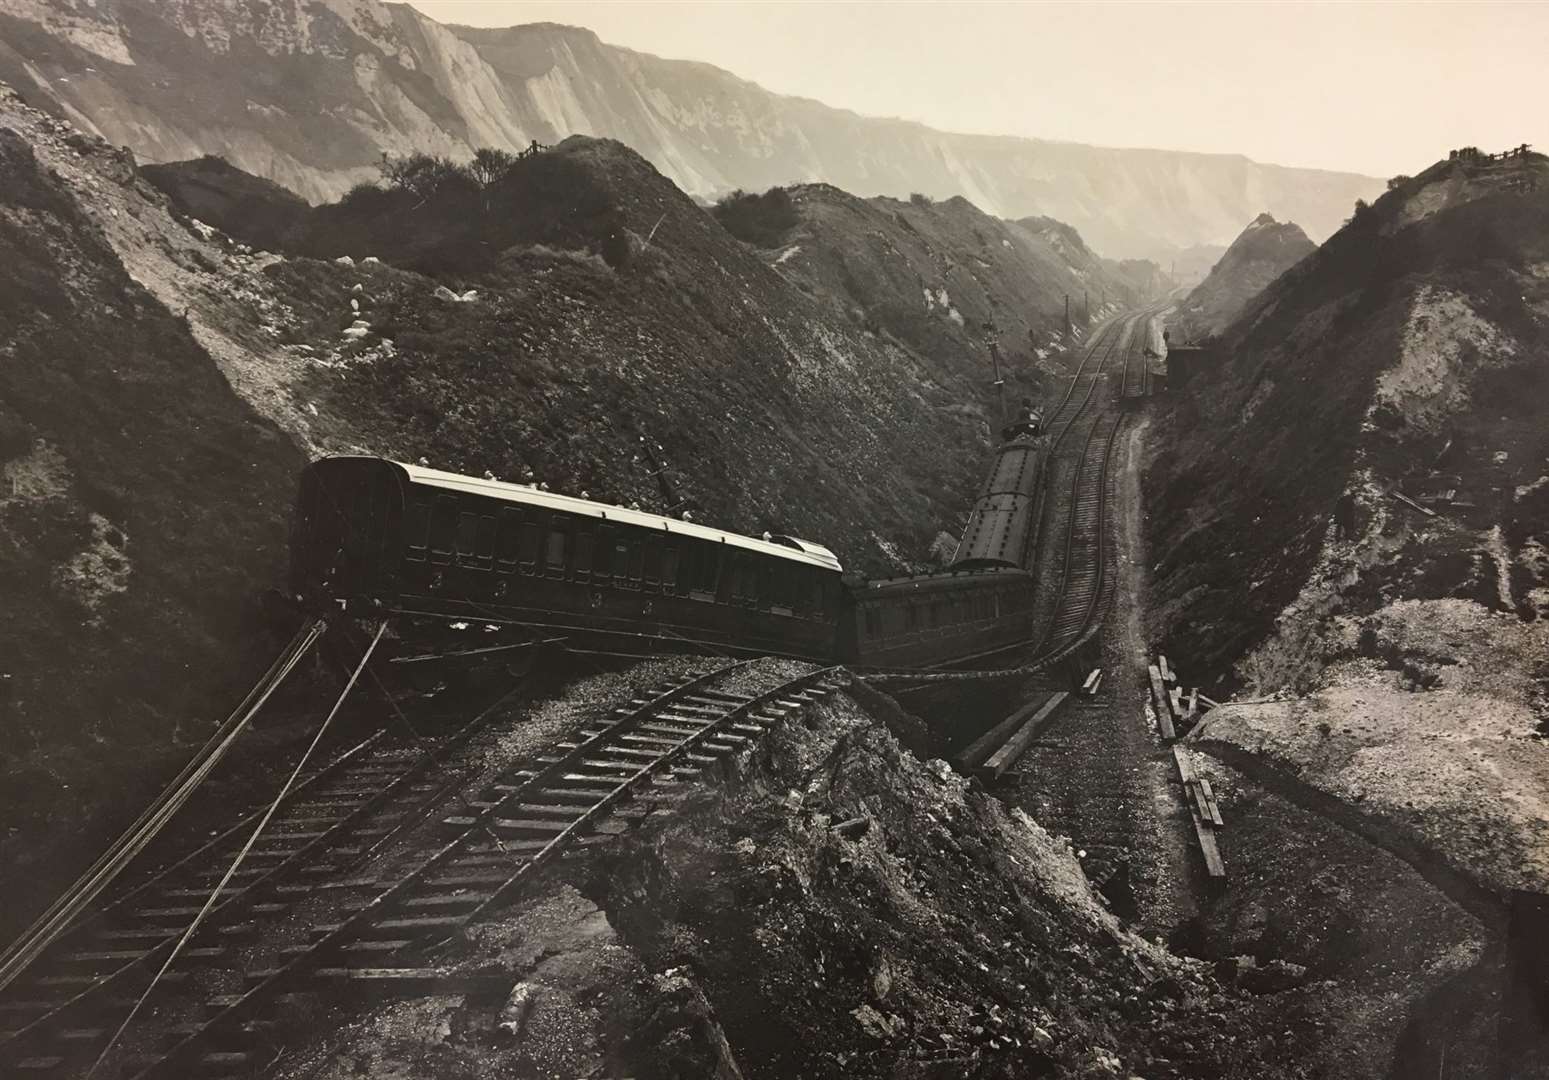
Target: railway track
{"x":1074,"y":583}
{"x":310,"y":907}
{"x":1084,"y":580}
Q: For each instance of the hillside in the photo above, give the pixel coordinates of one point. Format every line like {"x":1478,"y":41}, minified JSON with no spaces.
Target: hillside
{"x":176,"y":380}
{"x":310,"y":95}
{"x":143,"y":509}
{"x":1353,"y":510}
{"x":933,"y":275}
{"x":1264,"y":251}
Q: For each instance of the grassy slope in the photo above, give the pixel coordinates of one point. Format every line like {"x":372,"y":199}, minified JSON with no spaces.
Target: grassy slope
{"x":144,"y":507}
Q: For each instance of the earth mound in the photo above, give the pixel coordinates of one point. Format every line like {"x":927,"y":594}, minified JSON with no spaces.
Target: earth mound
{"x":1263,"y":251}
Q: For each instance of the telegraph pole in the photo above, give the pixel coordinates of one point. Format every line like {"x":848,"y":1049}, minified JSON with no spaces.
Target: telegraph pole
{"x":992,"y":340}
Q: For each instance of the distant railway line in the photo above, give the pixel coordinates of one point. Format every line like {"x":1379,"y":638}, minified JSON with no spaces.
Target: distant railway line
{"x":307,"y":908}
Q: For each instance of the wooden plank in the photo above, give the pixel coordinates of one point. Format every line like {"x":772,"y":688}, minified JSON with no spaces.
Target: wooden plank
{"x":1210,"y":702}
{"x":985,"y":744}
{"x":1014,"y":747}
{"x":1194,"y":788}
{"x":1407,"y":501}
{"x":1163,"y":704}
{"x":1097,"y":685}
{"x":1168,"y":675}
{"x":1214,"y":866}
{"x":1210,"y":801}
{"x":1092,"y":680}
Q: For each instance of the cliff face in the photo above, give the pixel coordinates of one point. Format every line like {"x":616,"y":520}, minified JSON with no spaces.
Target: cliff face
{"x":311,"y":94}
{"x":1402,"y":360}
{"x":1265,"y":250}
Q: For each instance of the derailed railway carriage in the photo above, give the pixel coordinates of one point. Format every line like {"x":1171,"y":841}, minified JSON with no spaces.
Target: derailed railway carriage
{"x":376,"y":537}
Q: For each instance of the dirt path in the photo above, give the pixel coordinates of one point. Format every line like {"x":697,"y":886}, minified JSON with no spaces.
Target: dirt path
{"x":1165,"y":874}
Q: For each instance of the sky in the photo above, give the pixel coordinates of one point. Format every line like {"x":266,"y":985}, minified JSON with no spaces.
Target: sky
{"x":1376,"y":88}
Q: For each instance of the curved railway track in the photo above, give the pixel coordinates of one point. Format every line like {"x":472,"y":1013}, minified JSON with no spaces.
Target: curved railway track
{"x":307,"y":910}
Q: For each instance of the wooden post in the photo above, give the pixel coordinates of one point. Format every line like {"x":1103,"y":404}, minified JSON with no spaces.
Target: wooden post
{"x":1163,"y":703}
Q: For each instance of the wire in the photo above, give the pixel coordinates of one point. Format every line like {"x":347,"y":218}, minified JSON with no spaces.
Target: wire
{"x":65,"y":910}
{"x":241,"y":855}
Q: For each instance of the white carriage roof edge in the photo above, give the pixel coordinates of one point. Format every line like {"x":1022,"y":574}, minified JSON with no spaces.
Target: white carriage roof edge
{"x":805,"y":552}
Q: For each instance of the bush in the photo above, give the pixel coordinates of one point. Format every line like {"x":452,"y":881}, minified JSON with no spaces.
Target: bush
{"x":425,"y":175}
{"x":760,"y":220}
{"x":921,"y":199}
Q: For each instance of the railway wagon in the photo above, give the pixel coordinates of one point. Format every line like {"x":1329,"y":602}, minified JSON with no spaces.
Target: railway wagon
{"x":937,"y":619}
{"x":1002,"y":527}
{"x":372,"y":536}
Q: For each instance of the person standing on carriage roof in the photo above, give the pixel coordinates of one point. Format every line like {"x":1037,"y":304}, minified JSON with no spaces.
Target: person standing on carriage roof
{"x":1028,"y":418}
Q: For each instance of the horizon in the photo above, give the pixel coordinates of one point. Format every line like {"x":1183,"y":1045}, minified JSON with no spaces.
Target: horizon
{"x":1293,"y":109}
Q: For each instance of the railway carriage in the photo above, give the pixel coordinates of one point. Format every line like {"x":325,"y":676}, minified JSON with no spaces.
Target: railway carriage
{"x":1002,"y":527}
{"x":938,"y":618}
{"x":371,"y":535}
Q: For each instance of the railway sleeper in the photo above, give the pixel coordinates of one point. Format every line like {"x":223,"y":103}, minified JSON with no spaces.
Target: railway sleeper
{"x":460,"y":899}
{"x":113,"y":958}
{"x":572,"y":796}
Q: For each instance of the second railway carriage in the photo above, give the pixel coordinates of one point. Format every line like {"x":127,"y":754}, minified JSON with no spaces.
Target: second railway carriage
{"x":1002,"y":527}
{"x":373,"y":535}
{"x":937,"y":619}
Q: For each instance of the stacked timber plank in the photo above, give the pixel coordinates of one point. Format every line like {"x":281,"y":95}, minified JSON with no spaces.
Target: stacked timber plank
{"x":1201,"y":800}
{"x":1174,"y":708}
{"x":994,"y":752}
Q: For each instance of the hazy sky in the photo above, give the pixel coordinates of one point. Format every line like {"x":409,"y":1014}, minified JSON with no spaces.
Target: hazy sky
{"x":1374,"y":88}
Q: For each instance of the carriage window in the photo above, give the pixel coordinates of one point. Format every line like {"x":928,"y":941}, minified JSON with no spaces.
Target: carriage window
{"x":603,"y":566}
{"x":467,"y":534}
{"x":508,"y":539}
{"x":704,"y":566}
{"x":583,"y":551}
{"x":527,"y":547}
{"x":416,"y":529}
{"x":636,"y":562}
{"x":485,"y":546}
{"x":443,"y":527}
{"x":554,"y":553}
{"x":873,"y":622}
{"x":670,"y":568}
{"x":653,"y":562}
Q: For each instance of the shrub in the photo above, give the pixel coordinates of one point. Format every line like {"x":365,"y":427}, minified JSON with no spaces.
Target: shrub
{"x":425,"y":175}
{"x":761,"y":220}
{"x":921,"y":199}
{"x":489,"y":165}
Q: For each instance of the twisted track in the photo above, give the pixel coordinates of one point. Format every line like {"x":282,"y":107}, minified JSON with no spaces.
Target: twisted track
{"x":210,"y":1014}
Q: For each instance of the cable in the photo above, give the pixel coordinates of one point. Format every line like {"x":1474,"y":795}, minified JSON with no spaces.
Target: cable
{"x":241,"y":855}
{"x":64,"y":911}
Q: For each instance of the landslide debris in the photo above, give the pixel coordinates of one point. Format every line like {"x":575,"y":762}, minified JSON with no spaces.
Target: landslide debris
{"x":1261,"y":253}
{"x":833,"y":906}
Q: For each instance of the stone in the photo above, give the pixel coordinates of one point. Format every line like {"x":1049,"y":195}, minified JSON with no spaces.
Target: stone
{"x":345,"y":260}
